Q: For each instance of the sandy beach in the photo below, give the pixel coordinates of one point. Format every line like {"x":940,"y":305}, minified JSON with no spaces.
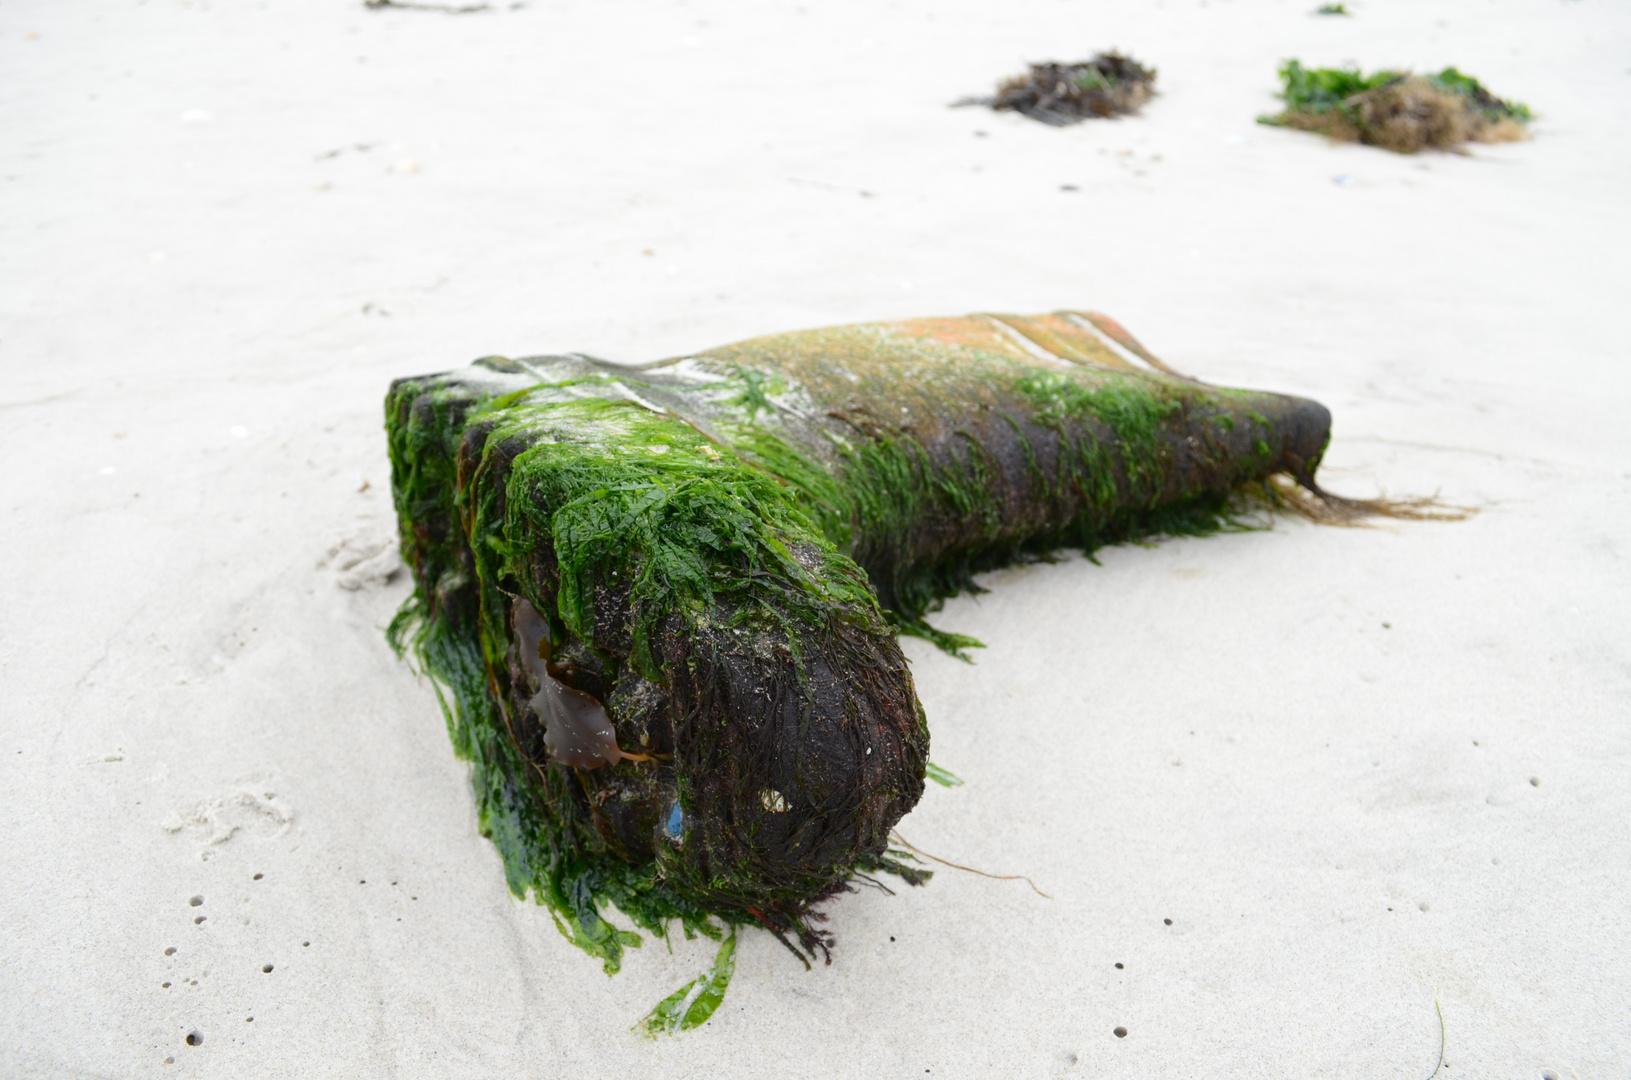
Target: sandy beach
{"x":1290,"y":793}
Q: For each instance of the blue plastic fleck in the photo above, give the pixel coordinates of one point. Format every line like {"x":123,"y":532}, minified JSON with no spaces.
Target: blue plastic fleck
{"x":676,"y":819}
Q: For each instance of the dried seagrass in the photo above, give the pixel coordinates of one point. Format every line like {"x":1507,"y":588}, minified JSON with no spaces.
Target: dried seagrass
{"x":663,"y":601}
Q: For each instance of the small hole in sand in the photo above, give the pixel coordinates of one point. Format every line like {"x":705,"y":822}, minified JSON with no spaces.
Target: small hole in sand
{"x":891,"y":937}
{"x":304,"y":944}
{"x":1121,"y":1033}
{"x":267,"y":969}
{"x":259,"y":876}
{"x":200,"y":919}
{"x":171,"y":951}
{"x":196,"y":901}
{"x":249,"y":1020}
{"x":364,"y":881}
{"x":165,"y":985}
{"x":1548,"y":1075}
{"x":169,"y":1061}
{"x":1118,"y":966}
{"x":195,"y":1038}
{"x":1534,"y":781}
{"x":1167,"y":921}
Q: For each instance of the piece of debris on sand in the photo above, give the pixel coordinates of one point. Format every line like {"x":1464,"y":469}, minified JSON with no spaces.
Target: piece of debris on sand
{"x":410,"y":5}
{"x":1396,"y":110}
{"x":1110,"y":84}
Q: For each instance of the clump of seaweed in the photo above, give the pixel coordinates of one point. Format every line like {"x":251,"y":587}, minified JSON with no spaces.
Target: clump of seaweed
{"x":1397,"y":111}
{"x":1058,"y":94}
{"x":1332,"y":9}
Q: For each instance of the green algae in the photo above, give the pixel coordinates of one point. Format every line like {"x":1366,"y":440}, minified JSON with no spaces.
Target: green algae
{"x":943,"y":777}
{"x":694,"y":1003}
{"x":724,"y":548}
{"x":650,"y":506}
{"x":547,"y":846}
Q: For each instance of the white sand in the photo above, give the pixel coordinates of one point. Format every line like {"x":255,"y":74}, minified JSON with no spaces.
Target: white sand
{"x":1311,"y":749}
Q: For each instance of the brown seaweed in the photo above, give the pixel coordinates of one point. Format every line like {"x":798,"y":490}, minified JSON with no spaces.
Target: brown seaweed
{"x":1059,"y":94}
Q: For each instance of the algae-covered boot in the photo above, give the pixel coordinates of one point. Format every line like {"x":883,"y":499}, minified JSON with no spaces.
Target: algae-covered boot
{"x":664,"y":599}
